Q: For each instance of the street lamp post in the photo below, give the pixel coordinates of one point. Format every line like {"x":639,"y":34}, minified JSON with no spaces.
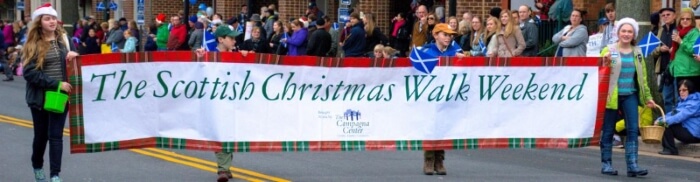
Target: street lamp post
{"x":106,"y":11}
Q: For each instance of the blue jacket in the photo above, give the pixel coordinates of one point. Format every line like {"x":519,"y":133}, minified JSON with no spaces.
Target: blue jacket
{"x":355,"y":42}
{"x":687,"y":114}
{"x":452,"y":50}
{"x":297,"y":43}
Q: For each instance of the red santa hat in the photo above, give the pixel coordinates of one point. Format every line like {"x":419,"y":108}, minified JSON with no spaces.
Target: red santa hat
{"x":304,"y":21}
{"x":160,"y":17}
{"x":45,"y":9}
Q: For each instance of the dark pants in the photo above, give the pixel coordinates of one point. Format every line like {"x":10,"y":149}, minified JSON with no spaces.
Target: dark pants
{"x":676,"y":131}
{"x":48,"y":127}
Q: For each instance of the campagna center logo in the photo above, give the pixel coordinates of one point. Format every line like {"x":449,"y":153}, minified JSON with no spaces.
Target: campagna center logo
{"x":352,"y":123}
{"x":352,"y":115}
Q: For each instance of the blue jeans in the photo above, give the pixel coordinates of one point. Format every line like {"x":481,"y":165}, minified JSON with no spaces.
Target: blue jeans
{"x":627,"y":109}
{"x":669,"y":93}
{"x":48,"y":127}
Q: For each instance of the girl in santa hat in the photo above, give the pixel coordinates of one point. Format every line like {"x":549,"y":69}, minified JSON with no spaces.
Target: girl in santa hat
{"x":46,"y":54}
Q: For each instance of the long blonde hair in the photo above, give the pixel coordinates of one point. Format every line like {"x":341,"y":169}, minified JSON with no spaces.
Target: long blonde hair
{"x":36,"y":47}
{"x":17,"y":26}
{"x":510,"y":25}
{"x":496,"y":22}
{"x":369,"y":24}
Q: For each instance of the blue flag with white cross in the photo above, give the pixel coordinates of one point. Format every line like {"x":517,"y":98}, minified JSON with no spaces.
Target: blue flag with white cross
{"x":209,"y":42}
{"x":649,"y":43}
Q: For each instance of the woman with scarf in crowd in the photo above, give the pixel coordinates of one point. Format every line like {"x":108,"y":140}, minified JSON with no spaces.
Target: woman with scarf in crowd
{"x":683,"y":65}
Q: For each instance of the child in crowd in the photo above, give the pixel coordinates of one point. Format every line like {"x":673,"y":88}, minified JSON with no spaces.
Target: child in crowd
{"x":390,"y":52}
{"x":130,"y":45}
{"x":378,"y":51}
{"x":92,"y":43}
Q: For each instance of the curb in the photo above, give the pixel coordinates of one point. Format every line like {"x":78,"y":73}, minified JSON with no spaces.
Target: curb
{"x":684,"y":150}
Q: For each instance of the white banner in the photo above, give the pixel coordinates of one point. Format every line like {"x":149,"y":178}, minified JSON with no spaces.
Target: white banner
{"x":256,"y":102}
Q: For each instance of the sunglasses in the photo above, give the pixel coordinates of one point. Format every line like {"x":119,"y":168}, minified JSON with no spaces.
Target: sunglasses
{"x":431,"y":18}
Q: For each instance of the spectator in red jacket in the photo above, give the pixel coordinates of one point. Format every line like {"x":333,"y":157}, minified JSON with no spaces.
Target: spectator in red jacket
{"x":543,"y":6}
{"x":178,"y":33}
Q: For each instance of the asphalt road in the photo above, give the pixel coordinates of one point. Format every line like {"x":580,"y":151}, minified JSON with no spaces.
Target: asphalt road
{"x":180,"y":165}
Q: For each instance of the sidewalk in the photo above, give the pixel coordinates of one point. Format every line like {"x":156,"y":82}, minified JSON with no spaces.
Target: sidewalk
{"x":689,"y":150}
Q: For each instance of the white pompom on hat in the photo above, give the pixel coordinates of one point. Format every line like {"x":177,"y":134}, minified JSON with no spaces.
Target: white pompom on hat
{"x":629,"y":21}
{"x":45,"y":9}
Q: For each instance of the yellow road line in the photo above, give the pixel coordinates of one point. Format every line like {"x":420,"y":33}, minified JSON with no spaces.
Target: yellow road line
{"x":169,"y":156}
{"x":191,"y":164}
{"x":206,"y":162}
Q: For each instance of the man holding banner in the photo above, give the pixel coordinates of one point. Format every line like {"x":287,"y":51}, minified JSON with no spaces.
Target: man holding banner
{"x":226,"y":39}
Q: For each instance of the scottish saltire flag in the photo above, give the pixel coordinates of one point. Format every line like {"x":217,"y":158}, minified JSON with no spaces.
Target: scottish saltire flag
{"x":76,"y":40}
{"x":284,"y":37}
{"x":482,"y":46}
{"x":114,"y":47}
{"x":240,"y":29}
{"x":209,"y":41}
{"x":696,"y":47}
{"x":422,"y":60}
{"x":454,"y":44}
{"x":649,"y":43}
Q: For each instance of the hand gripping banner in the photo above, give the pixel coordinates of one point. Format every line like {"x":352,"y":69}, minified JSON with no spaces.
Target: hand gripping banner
{"x":271,"y":103}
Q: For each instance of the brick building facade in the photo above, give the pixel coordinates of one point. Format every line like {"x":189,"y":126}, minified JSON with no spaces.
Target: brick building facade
{"x":384,"y":10}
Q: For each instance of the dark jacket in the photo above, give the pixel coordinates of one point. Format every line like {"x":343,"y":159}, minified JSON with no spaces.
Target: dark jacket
{"x":319,"y":43}
{"x":355,"y":42}
{"x":91,"y":46}
{"x":529,"y":30}
{"x":465,"y":41}
{"x":377,"y":38}
{"x":38,"y":82}
{"x":277,"y":47}
{"x":259,"y":46}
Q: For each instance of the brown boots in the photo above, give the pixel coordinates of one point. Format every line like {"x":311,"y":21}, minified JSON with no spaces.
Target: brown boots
{"x":428,"y":164}
{"x":433,"y":162}
{"x":223,"y":176}
{"x":439,"y":158}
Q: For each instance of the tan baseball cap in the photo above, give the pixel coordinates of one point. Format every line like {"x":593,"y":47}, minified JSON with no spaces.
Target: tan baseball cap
{"x":442,"y":27}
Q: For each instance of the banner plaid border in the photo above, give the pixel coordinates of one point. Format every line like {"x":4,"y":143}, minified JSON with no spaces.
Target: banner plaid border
{"x":77,"y":131}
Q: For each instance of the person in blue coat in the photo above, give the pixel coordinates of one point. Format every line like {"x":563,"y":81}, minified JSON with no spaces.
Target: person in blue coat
{"x":684,"y":121}
{"x":354,"y":44}
{"x":297,"y":42}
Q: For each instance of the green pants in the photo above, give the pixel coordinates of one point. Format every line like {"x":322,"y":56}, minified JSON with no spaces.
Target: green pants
{"x":223,"y":161}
